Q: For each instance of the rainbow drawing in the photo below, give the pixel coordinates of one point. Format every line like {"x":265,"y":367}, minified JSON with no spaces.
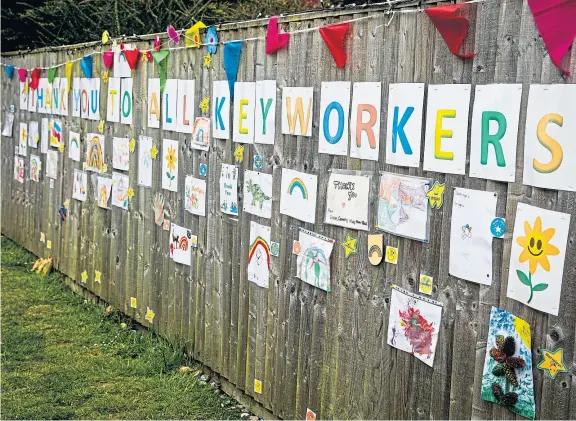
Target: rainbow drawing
{"x":259,"y":242}
{"x":297,"y":183}
{"x":95,"y":155}
{"x":103,"y":197}
{"x":375,"y":249}
{"x":183,"y":243}
{"x":74,"y":141}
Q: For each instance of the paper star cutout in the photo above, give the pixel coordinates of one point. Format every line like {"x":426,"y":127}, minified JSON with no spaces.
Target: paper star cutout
{"x":130,"y":193}
{"x":239,"y":153}
{"x":67,"y":204}
{"x":436,"y":195}
{"x":553,"y":362}
{"x":207,"y":61}
{"x":132,"y":145}
{"x":61,"y":147}
{"x":133,"y":302}
{"x":350,"y":245}
{"x":49,"y":244}
{"x":97,"y":276}
{"x":205,"y":105}
{"x":149,"y":315}
{"x":153,"y":151}
{"x":105,"y":37}
{"x":101,"y":126}
{"x":105,"y":77}
{"x":84,"y":276}
{"x":144,"y":56}
{"x":42,"y":237}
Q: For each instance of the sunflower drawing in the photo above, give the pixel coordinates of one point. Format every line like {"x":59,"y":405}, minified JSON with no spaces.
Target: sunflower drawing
{"x":171,"y":163}
{"x":536,"y":249}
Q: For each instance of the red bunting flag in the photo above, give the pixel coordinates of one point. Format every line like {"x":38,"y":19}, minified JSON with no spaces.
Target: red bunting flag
{"x":334,"y":36}
{"x":35,"y":78}
{"x":556,"y":22}
{"x":22,"y":74}
{"x":131,"y":57}
{"x":274,"y":40}
{"x":452,"y":28}
{"x":108,"y":58}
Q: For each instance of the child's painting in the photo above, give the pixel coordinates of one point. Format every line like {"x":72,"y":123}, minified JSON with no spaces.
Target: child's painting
{"x":195,"y":195}
{"x":414,"y":324}
{"x":170,"y":165}
{"x":507,"y":377}
{"x":258,"y":193}
{"x":537,"y":257}
{"x":403,"y":206}
{"x":201,"y":134}
{"x":145,"y":161}
{"x":8,"y":124}
{"x":120,"y":185}
{"x":121,"y":153}
{"x":55,"y":133}
{"x":33,"y":134}
{"x":347,"y":200}
{"x":313,"y":261}
{"x":52,"y":164}
{"x":95,"y":152}
{"x":470,"y":235}
{"x":44,"y":135}
{"x":180,"y":247}
{"x":23,"y":139}
{"x":74,"y":146}
{"x":298,"y":195}
{"x":80,"y":186}
{"x":35,"y":168}
{"x":103,"y":191}
{"x":229,"y":189}
{"x":259,"y":254}
{"x":19,"y":169}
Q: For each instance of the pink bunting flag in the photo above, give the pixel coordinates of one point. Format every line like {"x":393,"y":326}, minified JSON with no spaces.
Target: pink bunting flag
{"x":274,"y":40}
{"x":108,"y":58}
{"x":131,"y":57}
{"x":452,"y":28}
{"x":334,"y":36}
{"x":22,"y":74}
{"x":556,"y":22}
{"x":173,"y":34}
{"x":35,"y":78}
{"x":157,"y":43}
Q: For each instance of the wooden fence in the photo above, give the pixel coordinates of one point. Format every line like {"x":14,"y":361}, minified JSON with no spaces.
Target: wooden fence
{"x":310,"y":349}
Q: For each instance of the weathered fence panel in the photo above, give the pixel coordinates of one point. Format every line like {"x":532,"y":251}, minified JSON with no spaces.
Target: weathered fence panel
{"x":310,"y":349}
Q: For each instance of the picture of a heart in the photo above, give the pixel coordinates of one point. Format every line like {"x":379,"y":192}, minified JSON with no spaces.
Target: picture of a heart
{"x":343,"y":205}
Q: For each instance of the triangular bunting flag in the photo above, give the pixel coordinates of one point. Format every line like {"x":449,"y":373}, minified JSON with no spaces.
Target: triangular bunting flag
{"x":157,"y":44}
{"x":555,"y":20}
{"x":232,"y":52}
{"x":334,"y":36}
{"x":35,"y":78}
{"x":69,"y":74}
{"x":108,"y":58}
{"x":274,"y":40}
{"x":161,"y":60}
{"x":452,"y":28}
{"x":22,"y":74}
{"x":52,"y":74}
{"x":173,"y":34}
{"x":9,"y":71}
{"x":131,"y":57}
{"x":192,"y":35}
{"x":86,"y":65}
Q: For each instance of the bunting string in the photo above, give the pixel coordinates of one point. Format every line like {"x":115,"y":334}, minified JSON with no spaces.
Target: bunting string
{"x":182,"y":32}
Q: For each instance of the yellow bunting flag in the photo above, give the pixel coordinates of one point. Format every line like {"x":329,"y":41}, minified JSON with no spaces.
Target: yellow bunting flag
{"x":192,"y":35}
{"x":69,"y":74}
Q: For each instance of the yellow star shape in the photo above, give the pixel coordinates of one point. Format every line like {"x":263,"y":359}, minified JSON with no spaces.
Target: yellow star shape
{"x":98,"y":276}
{"x":205,"y":105}
{"x":105,"y":77}
{"x":153,"y":151}
{"x":144,"y":56}
{"x":207,"y":61}
{"x":67,"y":204}
{"x":84,"y":276}
{"x":133,"y":302}
{"x":553,"y":362}
{"x":130,"y":193}
{"x":49,"y":244}
{"x":101,"y":126}
{"x":239,"y":153}
{"x":436,"y":195}
{"x":149,"y":315}
{"x":132,"y":145}
{"x":350,"y":246}
{"x":61,"y":147}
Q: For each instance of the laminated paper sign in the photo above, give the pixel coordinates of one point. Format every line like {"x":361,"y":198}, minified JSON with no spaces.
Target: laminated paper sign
{"x":313,"y":262}
{"x":259,"y":254}
{"x":229,"y":189}
{"x":347,"y":200}
{"x":298,"y":195}
{"x":258,"y":193}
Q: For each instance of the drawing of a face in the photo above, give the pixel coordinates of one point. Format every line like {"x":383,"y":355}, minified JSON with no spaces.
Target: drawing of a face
{"x":391,"y":254}
{"x":535,"y":244}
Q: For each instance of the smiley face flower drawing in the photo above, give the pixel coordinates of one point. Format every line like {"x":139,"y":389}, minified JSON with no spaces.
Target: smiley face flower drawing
{"x":537,"y":248}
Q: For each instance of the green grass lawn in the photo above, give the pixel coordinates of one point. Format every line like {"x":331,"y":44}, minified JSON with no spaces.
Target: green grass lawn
{"x":62,"y":359}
